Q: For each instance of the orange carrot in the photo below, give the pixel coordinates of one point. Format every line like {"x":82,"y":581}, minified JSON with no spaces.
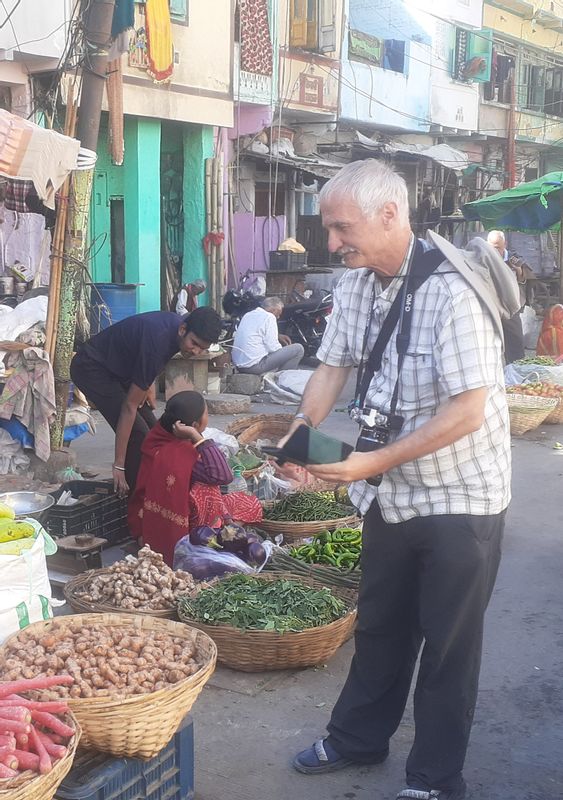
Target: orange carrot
{"x":45,"y":763}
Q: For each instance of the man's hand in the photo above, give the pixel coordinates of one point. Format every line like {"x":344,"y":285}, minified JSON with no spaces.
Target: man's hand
{"x":151,"y":397}
{"x":284,"y":340}
{"x":186,"y":432}
{"x":357,"y":467}
{"x":120,"y":485}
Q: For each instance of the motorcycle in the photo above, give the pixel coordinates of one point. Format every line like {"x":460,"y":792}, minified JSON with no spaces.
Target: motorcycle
{"x":305,"y":322}
{"x":236,"y":303}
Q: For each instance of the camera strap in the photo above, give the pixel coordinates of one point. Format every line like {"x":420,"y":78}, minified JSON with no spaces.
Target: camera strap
{"x":421,"y":266}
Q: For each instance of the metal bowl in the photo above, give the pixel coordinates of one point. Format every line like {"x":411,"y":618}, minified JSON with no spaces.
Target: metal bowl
{"x":28,"y":504}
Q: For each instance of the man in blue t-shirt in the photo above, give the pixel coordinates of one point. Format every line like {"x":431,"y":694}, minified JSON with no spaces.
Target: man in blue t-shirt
{"x":116,"y":370}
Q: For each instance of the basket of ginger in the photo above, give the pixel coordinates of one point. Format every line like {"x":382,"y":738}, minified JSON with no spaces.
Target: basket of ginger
{"x":38,"y":739}
{"x":130,"y":679}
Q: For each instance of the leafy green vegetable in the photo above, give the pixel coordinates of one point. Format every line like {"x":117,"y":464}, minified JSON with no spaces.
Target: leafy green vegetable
{"x":306,"y":507}
{"x":251,"y":603}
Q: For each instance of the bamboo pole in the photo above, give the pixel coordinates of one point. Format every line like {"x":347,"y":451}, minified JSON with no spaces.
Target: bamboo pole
{"x":208,"y":169}
{"x":58,"y":240}
{"x":214,"y":229}
{"x":220,"y":229}
{"x":97,"y":20}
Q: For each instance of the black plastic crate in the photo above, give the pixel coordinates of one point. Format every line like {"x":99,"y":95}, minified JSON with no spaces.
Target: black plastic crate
{"x":167,"y":776}
{"x":106,"y":517}
{"x":283,"y":259}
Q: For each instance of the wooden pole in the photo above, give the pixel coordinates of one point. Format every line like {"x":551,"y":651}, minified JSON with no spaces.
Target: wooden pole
{"x":210,"y":276}
{"x":98,"y":16}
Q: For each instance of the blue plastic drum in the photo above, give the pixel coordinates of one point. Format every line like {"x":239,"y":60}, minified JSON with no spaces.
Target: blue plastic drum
{"x":110,"y":303}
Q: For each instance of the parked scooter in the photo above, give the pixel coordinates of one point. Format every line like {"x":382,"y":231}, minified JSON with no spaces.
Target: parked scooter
{"x":305,"y":322}
{"x":236,"y":303}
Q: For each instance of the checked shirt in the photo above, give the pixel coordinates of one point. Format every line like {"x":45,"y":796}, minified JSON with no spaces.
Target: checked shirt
{"x":453,"y":348}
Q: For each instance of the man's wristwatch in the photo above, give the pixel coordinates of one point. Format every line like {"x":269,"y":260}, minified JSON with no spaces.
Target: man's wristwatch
{"x":306,"y":418}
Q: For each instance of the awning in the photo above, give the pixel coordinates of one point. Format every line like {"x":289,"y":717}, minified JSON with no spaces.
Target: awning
{"x":442,"y":154}
{"x":316,"y":167}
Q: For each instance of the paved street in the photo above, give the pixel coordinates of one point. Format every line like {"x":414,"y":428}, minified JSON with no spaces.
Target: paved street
{"x":248,"y":726}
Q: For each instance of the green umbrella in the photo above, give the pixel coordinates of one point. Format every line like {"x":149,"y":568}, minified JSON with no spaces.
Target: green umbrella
{"x":532,"y":207}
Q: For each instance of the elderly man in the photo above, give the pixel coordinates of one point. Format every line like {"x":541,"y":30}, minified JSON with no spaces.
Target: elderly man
{"x":513,"y":333}
{"x":431,"y":474}
{"x":258,"y":347}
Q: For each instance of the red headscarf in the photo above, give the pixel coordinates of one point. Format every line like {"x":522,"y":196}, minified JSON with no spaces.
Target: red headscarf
{"x":550,"y":342}
{"x":159,"y":508}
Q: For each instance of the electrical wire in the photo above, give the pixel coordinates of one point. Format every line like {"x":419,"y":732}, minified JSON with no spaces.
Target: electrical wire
{"x":8,"y":18}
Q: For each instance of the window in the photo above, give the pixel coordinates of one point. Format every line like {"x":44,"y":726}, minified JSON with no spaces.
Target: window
{"x":499,"y":88}
{"x":179,"y":11}
{"x":313,"y":25}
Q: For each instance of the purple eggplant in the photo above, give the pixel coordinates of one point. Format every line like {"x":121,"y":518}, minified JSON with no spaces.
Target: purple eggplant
{"x":256,"y":554}
{"x":205,"y":536}
{"x":234,"y":539}
{"x":203,"y":569}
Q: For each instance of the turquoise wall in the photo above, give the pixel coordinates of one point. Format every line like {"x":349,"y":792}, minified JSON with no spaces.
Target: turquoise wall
{"x":198,"y":145}
{"x":108,"y":183}
{"x":138,"y":181}
{"x":142,"y":209}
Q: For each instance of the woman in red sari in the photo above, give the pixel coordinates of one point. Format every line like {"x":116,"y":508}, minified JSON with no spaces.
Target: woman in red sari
{"x":179,"y":479}
{"x":550,"y":342}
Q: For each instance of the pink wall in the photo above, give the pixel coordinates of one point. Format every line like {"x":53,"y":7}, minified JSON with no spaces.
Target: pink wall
{"x":254,"y":237}
{"x":250,"y":119}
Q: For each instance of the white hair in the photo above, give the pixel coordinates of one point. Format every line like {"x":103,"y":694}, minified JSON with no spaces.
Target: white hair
{"x":370,"y":184}
{"x":272,"y":303}
{"x":495,"y":236}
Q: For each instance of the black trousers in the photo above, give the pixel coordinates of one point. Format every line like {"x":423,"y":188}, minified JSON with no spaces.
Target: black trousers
{"x":513,"y":338}
{"x":430,"y":579}
{"x":107,"y":393}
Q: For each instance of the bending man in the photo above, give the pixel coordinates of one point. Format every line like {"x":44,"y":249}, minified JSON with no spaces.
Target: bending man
{"x":116,"y":370}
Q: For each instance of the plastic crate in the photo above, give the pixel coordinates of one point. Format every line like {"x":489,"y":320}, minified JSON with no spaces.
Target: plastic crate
{"x":283,"y":259}
{"x":167,"y":776}
{"x":106,"y":517}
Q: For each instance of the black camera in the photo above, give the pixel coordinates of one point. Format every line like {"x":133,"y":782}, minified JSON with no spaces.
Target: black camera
{"x":375,"y":432}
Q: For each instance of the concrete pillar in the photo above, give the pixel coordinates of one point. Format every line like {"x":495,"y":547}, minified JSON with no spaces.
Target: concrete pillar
{"x":142,"y":209}
{"x":198,"y":145}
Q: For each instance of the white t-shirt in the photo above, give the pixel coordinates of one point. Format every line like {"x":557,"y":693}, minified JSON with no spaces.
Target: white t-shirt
{"x":255,"y":337}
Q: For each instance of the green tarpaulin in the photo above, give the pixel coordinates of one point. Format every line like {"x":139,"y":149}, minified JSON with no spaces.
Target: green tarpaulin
{"x":532,"y":207}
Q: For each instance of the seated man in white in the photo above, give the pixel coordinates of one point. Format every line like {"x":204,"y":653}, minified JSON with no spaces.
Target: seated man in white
{"x":258,"y":347}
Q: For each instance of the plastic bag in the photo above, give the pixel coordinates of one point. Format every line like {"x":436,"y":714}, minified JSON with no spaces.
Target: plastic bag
{"x":205,"y":563}
{"x":227,"y":443}
{"x":540,"y":372}
{"x":25,"y":591}
{"x":268,"y":485}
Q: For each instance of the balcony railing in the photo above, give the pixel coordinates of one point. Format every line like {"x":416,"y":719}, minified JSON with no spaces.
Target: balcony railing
{"x":251,"y":88}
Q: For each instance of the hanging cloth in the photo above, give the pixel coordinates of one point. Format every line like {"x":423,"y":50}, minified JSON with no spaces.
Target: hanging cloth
{"x":123,"y":17}
{"x":159,"y":40}
{"x":159,"y":509}
{"x":29,"y":152}
{"x":256,"y":54}
{"x":114,"y":89}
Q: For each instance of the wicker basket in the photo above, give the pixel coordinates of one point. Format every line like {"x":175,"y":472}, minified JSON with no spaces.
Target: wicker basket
{"x":261,"y":426}
{"x":293,"y":531}
{"x":255,"y":651}
{"x":29,"y":785}
{"x":73,"y":588}
{"x":332,"y":577}
{"x":555,"y":417}
{"x":527,"y":412}
{"x":138,"y":726}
